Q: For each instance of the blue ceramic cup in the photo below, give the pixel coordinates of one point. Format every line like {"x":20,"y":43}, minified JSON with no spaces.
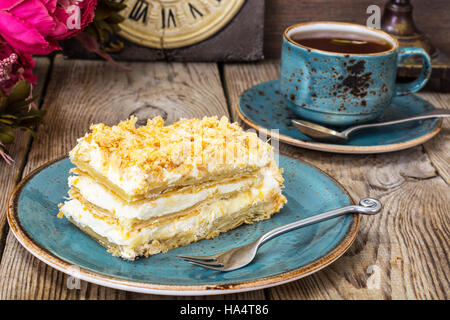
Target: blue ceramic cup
{"x":343,"y":89}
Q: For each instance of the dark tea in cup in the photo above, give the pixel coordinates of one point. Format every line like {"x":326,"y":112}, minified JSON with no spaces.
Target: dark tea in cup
{"x":342,"y":42}
{"x":342,"y":73}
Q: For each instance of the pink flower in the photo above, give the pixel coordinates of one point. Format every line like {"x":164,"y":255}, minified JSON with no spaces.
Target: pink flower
{"x":34,"y":26}
{"x":14,"y":66}
{"x":86,"y":11}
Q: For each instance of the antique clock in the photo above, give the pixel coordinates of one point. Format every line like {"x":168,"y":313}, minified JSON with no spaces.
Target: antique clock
{"x":186,"y":30}
{"x":175,"y":23}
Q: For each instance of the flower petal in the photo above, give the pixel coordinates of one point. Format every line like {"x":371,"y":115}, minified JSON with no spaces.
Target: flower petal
{"x":60,"y":16}
{"x":50,"y":5}
{"x":36,"y":14}
{"x":8,"y":4}
{"x":22,"y":36}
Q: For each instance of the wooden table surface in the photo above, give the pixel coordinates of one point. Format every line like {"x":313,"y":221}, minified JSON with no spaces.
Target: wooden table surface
{"x":399,"y":254}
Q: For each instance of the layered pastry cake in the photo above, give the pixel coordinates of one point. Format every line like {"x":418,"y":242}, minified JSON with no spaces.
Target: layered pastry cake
{"x":143,"y":190}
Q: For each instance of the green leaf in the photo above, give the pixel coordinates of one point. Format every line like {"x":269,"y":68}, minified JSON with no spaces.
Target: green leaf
{"x":6,"y":135}
{"x":3,"y":101}
{"x":7,"y":122}
{"x":31,"y":120}
{"x":19,"y":92}
{"x":33,"y":133}
{"x":115,"y":6}
{"x":9,"y":116}
{"x":115,"y":28}
{"x":35,"y":115}
{"x":19,"y":105}
{"x":103,"y":25}
{"x":105,"y":37}
{"x":30,"y":113}
{"x":101,"y":13}
{"x":100,"y":34}
{"x":115,"y":18}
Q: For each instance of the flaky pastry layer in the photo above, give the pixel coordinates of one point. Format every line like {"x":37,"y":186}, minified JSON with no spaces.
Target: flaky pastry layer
{"x":139,"y":162}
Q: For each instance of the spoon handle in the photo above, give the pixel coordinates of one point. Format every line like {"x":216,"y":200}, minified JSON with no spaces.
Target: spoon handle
{"x":368,"y":206}
{"x":436,"y":113}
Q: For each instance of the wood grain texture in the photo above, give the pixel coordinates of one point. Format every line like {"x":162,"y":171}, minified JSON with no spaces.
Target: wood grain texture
{"x":438,"y":149}
{"x":9,"y":174}
{"x":430,"y":16}
{"x":84,"y":92}
{"x":399,"y":254}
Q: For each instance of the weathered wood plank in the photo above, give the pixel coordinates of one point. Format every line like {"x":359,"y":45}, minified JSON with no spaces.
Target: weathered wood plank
{"x":405,"y":246}
{"x":439,"y":148}
{"x":9,"y":174}
{"x":84,"y":92}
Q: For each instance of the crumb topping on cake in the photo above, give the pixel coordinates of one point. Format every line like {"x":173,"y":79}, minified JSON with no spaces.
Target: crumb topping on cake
{"x":155,"y":154}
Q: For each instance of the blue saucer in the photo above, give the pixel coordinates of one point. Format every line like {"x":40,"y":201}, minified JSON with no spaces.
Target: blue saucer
{"x":57,"y":242}
{"x":264,"y":108}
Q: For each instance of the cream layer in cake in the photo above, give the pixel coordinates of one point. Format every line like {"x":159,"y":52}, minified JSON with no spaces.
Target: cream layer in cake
{"x":143,"y":162}
{"x":203,"y":221}
{"x":95,"y":193}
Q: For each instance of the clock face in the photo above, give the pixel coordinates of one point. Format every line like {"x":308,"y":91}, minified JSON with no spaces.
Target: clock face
{"x":167,"y":24}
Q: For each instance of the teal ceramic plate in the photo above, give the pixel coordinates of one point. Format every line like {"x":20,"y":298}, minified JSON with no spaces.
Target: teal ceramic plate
{"x":264,"y":108}
{"x":34,"y":206}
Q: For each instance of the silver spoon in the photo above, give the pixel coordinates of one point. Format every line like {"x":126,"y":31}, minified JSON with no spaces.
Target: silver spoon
{"x":318,"y":132}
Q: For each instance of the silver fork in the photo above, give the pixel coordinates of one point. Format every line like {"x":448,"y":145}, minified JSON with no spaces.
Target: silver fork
{"x":241,"y":256}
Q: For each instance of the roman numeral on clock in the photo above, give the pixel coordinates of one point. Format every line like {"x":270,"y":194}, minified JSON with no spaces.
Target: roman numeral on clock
{"x":139,"y":11}
{"x":167,"y":18}
{"x":194,"y":11}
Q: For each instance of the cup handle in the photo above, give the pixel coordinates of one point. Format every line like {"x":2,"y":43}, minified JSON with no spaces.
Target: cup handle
{"x":414,"y":86}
